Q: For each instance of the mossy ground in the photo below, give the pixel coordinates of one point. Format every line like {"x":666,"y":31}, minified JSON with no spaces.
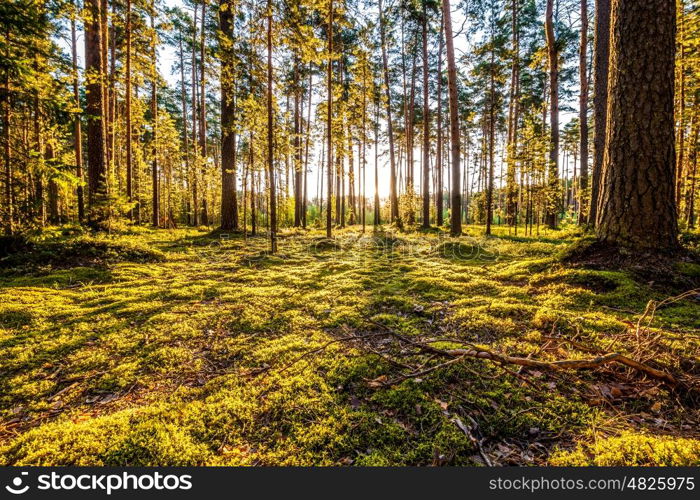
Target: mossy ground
{"x":178,"y":347}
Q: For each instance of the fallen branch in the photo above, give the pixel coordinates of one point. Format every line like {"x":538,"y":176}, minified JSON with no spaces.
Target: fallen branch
{"x":504,"y":359}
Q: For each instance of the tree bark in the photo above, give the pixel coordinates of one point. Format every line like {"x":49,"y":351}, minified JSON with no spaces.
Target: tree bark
{"x":77,"y":132}
{"x":637,"y":207}
{"x":439,"y":204}
{"x":456,"y":195}
{"x":393,"y":199}
{"x":601,"y":56}
{"x":270,"y":135}
{"x":426,"y":124}
{"x":229,"y":208}
{"x":97,"y":171}
{"x":513,"y":109}
{"x":203,"y":112}
{"x":583,"y":115}
{"x":155,"y":219}
{"x":553,"y":167}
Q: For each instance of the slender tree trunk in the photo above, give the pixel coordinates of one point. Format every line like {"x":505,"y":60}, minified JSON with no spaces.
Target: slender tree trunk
{"x":77,"y":132}
{"x":377,"y":210}
{"x":513,"y":109}
{"x":298,"y":171}
{"x":104,"y":59}
{"x":185,"y":133}
{"x":154,"y":117}
{"x":439,"y":203}
{"x":637,"y":207}
{"x":7,"y":152}
{"x":54,"y":216}
{"x":253,"y":213}
{"x":601,"y":55}
{"x":393,"y":199}
{"x":492,"y":140}
{"x":456,"y":196}
{"x":426,"y":123}
{"x":203,"y":112}
{"x":306,"y":155}
{"x":270,"y":136}
{"x":553,"y":167}
{"x":680,"y":145}
{"x":127,"y":93}
{"x":197,"y":151}
{"x":583,"y":115}
{"x":329,"y":123}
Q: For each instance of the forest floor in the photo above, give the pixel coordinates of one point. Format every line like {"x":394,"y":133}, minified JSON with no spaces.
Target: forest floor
{"x":179,"y":347}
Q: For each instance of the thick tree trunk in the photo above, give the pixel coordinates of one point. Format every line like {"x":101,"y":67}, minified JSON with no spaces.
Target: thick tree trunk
{"x":229,"y":208}
{"x":97,"y":170}
{"x":601,"y":55}
{"x":637,"y":207}
{"x":456,"y":195}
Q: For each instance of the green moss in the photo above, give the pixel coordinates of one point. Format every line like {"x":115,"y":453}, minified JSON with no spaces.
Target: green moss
{"x":630,"y":448}
{"x":168,"y":347}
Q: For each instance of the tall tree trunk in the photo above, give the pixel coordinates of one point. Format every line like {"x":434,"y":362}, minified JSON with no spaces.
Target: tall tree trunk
{"x":127,"y":92}
{"x":426,"y":123}
{"x":513,"y":111}
{"x":492,"y":140}
{"x":155,"y":220}
{"x":229,"y":208}
{"x":203,"y":112}
{"x":185,"y":133}
{"x":298,"y":171}
{"x":97,"y":171}
{"x":377,"y":210}
{"x":104,"y":60}
{"x":583,"y":115}
{"x":77,"y":132}
{"x":393,"y":199}
{"x":195,"y":145}
{"x":637,"y":207}
{"x":306,"y":154}
{"x":7,"y":151}
{"x":680,"y":139}
{"x":439,"y":203}
{"x":455,"y":195}
{"x":553,"y":167}
{"x":329,"y":122}
{"x":601,"y":55}
{"x":270,"y":136}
